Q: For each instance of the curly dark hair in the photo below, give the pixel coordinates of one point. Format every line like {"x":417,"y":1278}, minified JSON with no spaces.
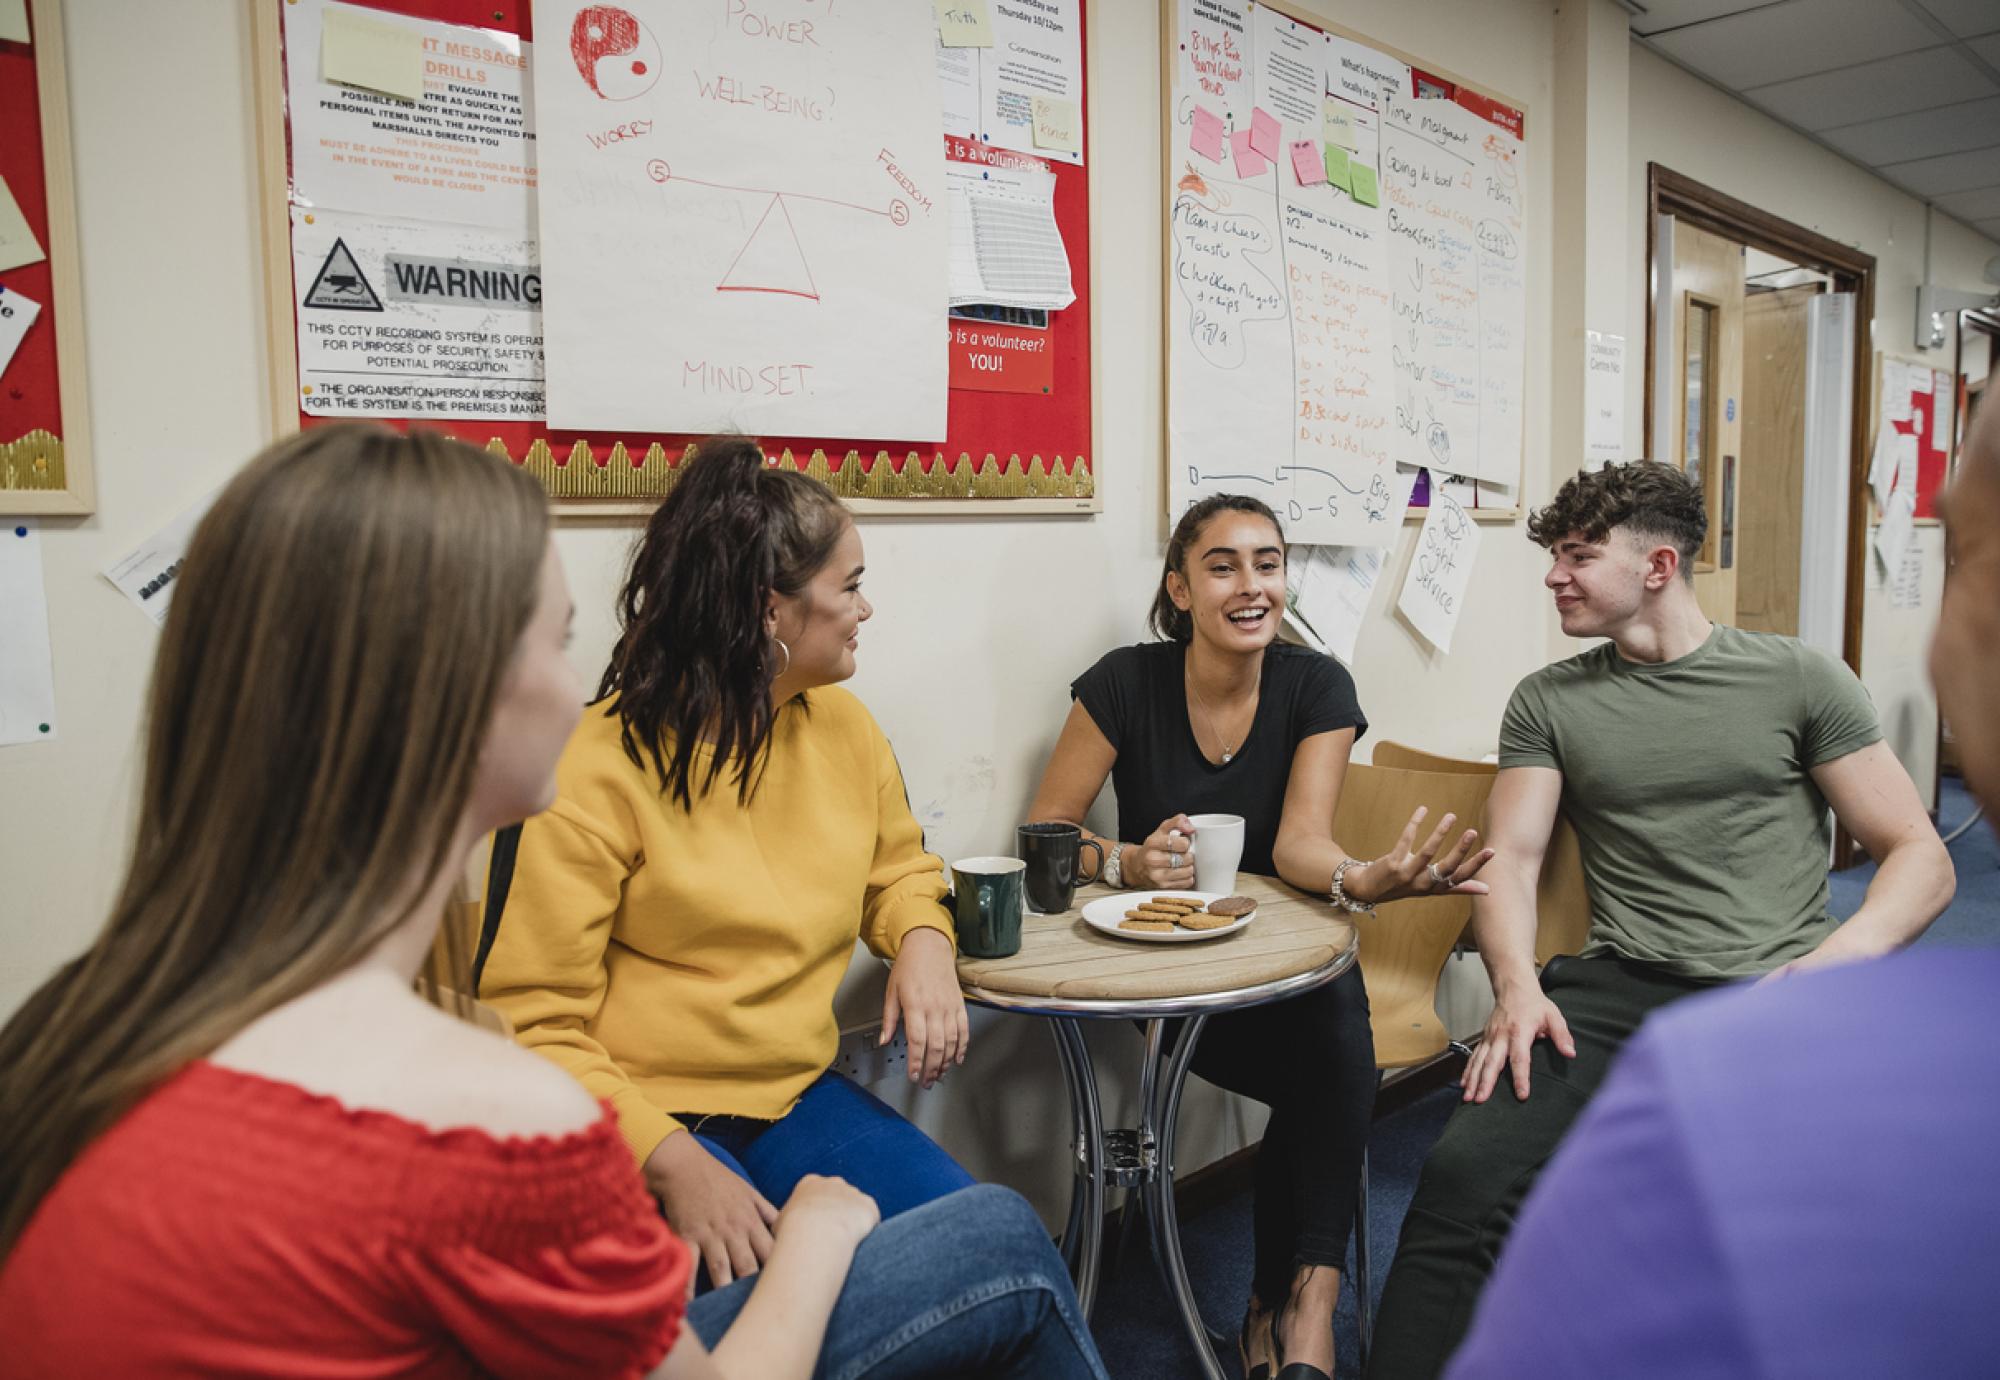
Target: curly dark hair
{"x":692,"y":650}
{"x":1653,"y":501}
{"x":1172,"y":624}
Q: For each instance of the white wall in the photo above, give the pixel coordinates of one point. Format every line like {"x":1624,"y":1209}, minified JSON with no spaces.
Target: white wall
{"x":1683,"y":123}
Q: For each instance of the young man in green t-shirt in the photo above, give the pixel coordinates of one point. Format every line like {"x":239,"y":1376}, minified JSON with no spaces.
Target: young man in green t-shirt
{"x":1697,"y":762}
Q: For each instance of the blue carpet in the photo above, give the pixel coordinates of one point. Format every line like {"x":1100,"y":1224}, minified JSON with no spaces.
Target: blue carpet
{"x":1136,"y":1326}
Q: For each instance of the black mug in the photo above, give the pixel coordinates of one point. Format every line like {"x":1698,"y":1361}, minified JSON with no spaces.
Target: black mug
{"x":1051,"y":852}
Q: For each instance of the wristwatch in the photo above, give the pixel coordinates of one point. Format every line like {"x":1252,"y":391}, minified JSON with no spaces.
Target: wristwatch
{"x":1114,"y":875}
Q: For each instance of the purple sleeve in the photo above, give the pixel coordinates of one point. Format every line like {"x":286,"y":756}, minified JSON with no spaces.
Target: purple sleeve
{"x":1614,"y":1256}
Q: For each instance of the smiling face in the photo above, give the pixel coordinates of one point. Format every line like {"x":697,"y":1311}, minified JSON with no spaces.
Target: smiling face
{"x":821,"y":624}
{"x":1601,"y":586}
{"x":1233,"y":584}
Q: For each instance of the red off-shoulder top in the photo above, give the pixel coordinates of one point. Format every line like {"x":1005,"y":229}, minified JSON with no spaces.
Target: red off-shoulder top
{"x":235,"y":1226}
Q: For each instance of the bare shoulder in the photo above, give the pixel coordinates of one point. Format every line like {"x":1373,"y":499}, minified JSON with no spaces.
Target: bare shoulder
{"x":390,"y":1051}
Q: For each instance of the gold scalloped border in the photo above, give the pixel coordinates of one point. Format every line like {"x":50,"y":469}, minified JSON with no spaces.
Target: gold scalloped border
{"x":33,"y":464}
{"x":579,"y":475}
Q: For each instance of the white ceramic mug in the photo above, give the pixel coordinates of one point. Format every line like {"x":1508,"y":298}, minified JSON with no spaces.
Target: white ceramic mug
{"x":1218,"y":848}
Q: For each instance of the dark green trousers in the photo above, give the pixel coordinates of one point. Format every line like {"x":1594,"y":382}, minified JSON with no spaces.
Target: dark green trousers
{"x":1487,"y":1159}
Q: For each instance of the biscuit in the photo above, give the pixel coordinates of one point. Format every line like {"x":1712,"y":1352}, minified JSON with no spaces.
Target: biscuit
{"x":1172,"y":903}
{"x":1207,"y":920}
{"x":1233,"y":906}
{"x":1149,"y":913}
{"x":1148,"y":926}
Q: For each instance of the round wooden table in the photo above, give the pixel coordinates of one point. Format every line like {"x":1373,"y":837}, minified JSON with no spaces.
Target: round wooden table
{"x":1069,"y":972}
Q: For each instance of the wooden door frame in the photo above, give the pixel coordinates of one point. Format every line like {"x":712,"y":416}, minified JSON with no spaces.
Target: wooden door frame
{"x":1669,"y":193}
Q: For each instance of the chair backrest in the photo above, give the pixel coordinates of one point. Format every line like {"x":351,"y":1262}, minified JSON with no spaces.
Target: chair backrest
{"x":1388,"y":754}
{"x":1562,"y":903}
{"x":1404,"y":945}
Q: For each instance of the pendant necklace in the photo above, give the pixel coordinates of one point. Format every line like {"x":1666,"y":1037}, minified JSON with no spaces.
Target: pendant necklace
{"x":1228,"y":748}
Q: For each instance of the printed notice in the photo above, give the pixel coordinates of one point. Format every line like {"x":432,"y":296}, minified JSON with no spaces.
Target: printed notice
{"x":1037,"y":52}
{"x":147,"y":573}
{"x":1290,"y":72}
{"x":27,"y":669}
{"x":1006,"y":248}
{"x":958,"y":89}
{"x":1327,"y":589}
{"x":1603,"y":398}
{"x":463,"y":152}
{"x":408,"y":319}
{"x":17,"y":313}
{"x":1434,"y":589}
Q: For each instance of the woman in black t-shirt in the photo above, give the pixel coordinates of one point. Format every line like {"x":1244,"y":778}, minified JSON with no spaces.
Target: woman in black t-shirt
{"x":1215,"y":717}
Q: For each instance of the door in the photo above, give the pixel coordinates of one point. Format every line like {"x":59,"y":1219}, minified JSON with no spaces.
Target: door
{"x":1770,"y":482}
{"x":1707,"y":322}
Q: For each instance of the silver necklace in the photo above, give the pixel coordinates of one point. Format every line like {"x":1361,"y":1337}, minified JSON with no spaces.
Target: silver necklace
{"x":1228,"y":748}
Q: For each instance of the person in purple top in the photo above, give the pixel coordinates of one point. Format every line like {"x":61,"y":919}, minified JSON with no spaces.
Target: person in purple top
{"x":1795,"y":1178}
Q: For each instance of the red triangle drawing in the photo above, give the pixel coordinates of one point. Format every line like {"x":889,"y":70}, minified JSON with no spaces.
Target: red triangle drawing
{"x":772,"y":259}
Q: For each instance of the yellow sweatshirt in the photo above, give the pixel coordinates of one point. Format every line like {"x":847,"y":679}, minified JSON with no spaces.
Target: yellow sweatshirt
{"x":679,"y":961}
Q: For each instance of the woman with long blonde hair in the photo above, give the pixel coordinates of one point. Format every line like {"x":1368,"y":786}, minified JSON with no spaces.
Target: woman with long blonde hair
{"x":233,"y":1137}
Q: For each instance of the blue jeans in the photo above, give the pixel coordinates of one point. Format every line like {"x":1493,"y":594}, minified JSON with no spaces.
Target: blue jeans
{"x":835,"y":1129}
{"x":968,"y":1285}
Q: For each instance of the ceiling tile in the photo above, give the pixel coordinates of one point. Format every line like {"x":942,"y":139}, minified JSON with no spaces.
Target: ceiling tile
{"x":1987,"y":47}
{"x":1963,"y":17}
{"x":1893,"y":86}
{"x":1990,"y":228}
{"x":1795,"y":39}
{"x":1978,"y":204}
{"x":1921,"y":134}
{"x":1672,"y":14}
{"x":1954,"y":172}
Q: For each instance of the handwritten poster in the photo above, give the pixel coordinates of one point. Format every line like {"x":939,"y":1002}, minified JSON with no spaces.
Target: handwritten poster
{"x":1215,"y":59}
{"x":1452,"y":185}
{"x":1441,"y":567}
{"x":754,"y":235}
{"x":464,"y":152}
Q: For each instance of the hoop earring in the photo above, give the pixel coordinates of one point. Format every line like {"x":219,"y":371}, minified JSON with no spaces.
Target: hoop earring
{"x":788,"y":657}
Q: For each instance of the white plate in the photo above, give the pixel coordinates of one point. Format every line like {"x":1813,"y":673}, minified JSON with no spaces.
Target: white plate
{"x":1106,"y":913}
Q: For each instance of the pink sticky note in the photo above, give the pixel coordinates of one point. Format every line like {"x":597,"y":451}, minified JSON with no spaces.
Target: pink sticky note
{"x":1264,"y":133}
{"x":1307,"y":163}
{"x":1249,"y":162}
{"x":1206,"y":139}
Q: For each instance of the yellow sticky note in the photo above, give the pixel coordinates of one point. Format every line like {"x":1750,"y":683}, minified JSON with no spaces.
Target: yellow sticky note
{"x":18,"y":245}
{"x":1337,"y":166}
{"x":1338,"y":122}
{"x":1361,"y":179}
{"x":14,"y":20}
{"x":1056,"y":125}
{"x":358,"y":51}
{"x":963,"y":23}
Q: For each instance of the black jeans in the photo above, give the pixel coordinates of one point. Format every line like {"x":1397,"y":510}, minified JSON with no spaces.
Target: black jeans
{"x":1490,"y":1153}
{"x":1311,"y":1060}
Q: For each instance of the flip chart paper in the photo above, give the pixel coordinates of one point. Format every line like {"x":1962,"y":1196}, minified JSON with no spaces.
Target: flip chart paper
{"x":1434,"y":589}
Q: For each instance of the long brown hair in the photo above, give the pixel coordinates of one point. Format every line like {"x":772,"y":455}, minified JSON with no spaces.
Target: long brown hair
{"x":340,"y":630}
{"x":1170,"y":622}
{"x":692,"y":655}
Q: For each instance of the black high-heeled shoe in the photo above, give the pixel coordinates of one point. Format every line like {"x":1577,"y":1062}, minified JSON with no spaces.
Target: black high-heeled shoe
{"x":1260,"y":1371}
{"x":1295,"y":1370}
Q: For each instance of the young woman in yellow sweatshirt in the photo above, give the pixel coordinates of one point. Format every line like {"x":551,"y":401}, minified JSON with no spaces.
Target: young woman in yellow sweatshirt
{"x":728,"y":823}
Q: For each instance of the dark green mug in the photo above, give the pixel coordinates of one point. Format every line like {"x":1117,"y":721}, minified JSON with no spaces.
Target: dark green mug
{"x":985,"y":905}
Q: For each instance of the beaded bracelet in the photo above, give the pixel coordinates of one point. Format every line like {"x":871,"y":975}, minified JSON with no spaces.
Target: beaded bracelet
{"x":1338,"y":894}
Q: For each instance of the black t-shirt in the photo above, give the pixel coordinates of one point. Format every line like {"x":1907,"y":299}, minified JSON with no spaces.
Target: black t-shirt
{"x":1137,"y":697}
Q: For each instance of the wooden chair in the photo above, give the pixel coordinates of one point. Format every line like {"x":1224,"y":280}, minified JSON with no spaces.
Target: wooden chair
{"x":1404,"y":946}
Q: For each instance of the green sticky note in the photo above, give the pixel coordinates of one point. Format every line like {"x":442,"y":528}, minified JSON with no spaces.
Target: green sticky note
{"x":1361,"y":180}
{"x":1336,"y":166}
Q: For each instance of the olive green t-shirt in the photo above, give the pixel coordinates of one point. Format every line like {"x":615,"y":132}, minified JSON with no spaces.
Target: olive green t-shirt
{"x":1705,"y":840}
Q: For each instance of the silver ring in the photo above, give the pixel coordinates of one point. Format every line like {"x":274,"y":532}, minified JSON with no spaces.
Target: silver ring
{"x":1439,"y":877}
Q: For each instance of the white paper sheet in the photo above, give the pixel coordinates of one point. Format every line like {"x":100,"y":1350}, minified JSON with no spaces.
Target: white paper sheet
{"x":1215,"y":59}
{"x":1451,"y":183}
{"x":1327,"y":593}
{"x":1360,"y":74}
{"x":27,"y":669}
{"x":1603,"y":398}
{"x":408,"y":318}
{"x":1433,"y":593}
{"x":18,"y":245}
{"x":147,"y":573}
{"x":1005,"y":245}
{"x":1290,"y":71}
{"x":772,"y":254}
{"x":1037,"y":51}
{"x":1906,"y":583}
{"x":1898,"y":525}
{"x":1895,"y":390}
{"x":958,"y":90}
{"x":14,"y":21}
{"x":17,"y":313}
{"x":464,"y":153}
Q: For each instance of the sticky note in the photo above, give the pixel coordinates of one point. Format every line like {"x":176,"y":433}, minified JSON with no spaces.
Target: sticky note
{"x":1336,"y":166}
{"x":18,"y":245}
{"x":1339,"y":126}
{"x":1307,"y":165}
{"x":1056,"y":125}
{"x":355,"y":50}
{"x":1361,"y":181}
{"x":1249,"y":162}
{"x":963,"y":23}
{"x":14,"y":20}
{"x":1264,"y":133}
{"x":1206,"y":137}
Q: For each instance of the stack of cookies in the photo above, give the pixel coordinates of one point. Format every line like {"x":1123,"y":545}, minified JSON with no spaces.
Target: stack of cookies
{"x":1165,"y":914}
